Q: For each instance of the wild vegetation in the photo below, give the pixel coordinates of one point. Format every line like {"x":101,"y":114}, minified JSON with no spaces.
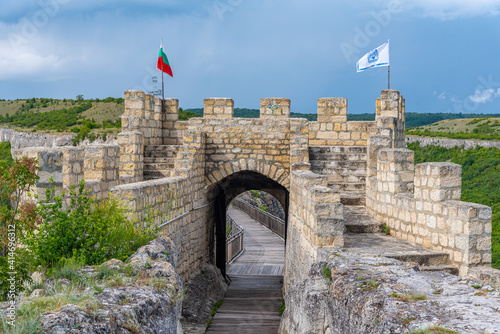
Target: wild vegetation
{"x":38,"y":237}
{"x":480,"y":181}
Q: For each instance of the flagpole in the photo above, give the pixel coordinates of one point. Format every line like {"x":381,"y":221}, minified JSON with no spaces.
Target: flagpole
{"x":162,"y":84}
{"x":389,"y":77}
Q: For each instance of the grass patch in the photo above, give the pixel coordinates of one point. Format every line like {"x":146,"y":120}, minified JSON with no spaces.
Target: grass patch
{"x":216,"y":308}
{"x":408,"y":297}
{"x":476,"y":286}
{"x":407,"y":320}
{"x":386,"y":229}
{"x":369,"y":285}
{"x":282,"y":307}
{"x":214,"y":312}
{"x":434,"y":330}
{"x":327,"y":273}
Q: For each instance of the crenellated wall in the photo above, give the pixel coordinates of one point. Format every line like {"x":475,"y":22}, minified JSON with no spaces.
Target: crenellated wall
{"x":239,"y":144}
{"x":212,"y":159}
{"x":332,"y":127}
{"x":421,"y":203}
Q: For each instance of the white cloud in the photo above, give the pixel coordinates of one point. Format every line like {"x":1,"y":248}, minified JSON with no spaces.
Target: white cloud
{"x":484,"y":96}
{"x":26,"y":62}
{"x":441,"y":96}
{"x":452,"y":9}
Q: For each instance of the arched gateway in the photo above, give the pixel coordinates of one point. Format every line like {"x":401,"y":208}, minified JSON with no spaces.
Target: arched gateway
{"x":224,"y":191}
{"x":313,"y":168}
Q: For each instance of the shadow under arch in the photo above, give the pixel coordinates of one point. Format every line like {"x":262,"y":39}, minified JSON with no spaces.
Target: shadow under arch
{"x":227,"y":189}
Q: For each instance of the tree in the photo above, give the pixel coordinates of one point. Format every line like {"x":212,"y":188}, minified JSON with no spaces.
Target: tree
{"x":79,"y":97}
{"x":17,"y":220}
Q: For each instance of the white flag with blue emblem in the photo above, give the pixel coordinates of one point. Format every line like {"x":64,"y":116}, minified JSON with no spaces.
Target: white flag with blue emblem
{"x":375,"y":58}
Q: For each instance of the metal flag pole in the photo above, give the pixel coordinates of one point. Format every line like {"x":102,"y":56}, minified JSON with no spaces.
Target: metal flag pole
{"x":162,"y":83}
{"x":389,"y":77}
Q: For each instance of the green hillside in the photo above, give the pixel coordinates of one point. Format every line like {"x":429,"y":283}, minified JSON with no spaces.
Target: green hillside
{"x":484,"y":128}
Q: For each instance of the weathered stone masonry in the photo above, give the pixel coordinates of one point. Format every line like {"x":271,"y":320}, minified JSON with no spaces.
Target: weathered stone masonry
{"x":189,"y":171}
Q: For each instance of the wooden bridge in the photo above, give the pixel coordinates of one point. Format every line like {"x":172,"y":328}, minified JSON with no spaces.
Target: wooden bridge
{"x":252,"y":302}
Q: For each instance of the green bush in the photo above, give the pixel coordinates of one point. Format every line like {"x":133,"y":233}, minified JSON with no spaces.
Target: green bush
{"x":5,"y":154}
{"x":256,"y":193}
{"x":91,"y":231}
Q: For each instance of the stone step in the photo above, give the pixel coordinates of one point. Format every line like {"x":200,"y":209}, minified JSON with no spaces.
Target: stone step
{"x":159,"y":166}
{"x":422,"y":259}
{"x":160,"y":154}
{"x":161,"y":151}
{"x":354,"y":187}
{"x":353,"y":198}
{"x":157,"y":148}
{"x":446,"y":268}
{"x":345,"y":165}
{"x":337,"y":149}
{"x":338,"y":156}
{"x":378,"y":244}
{"x":156,"y":174}
{"x":159,"y":160}
{"x":357,"y":220}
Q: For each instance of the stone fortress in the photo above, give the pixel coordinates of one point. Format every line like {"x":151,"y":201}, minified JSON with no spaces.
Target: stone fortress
{"x":317,"y":170}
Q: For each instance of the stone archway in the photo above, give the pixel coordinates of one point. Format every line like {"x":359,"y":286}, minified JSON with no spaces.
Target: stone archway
{"x":229,"y":188}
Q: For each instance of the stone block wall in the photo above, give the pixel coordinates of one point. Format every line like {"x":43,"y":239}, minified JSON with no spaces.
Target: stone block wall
{"x":422,"y":204}
{"x":131,"y":156}
{"x":50,"y":162}
{"x":73,"y":169}
{"x":272,"y":107}
{"x":299,"y":152}
{"x":167,"y":199}
{"x":143,"y":113}
{"x":390,"y":114}
{"x":172,"y":127}
{"x":315,"y":222}
{"x":332,"y":127}
{"x":218,"y":107}
{"x":100,"y":167}
{"x":237,"y":144}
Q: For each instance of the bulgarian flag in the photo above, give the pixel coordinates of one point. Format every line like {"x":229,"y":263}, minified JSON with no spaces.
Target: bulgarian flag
{"x":163,"y":64}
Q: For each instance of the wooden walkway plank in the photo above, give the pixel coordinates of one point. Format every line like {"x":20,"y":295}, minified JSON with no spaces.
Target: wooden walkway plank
{"x":253,"y":299}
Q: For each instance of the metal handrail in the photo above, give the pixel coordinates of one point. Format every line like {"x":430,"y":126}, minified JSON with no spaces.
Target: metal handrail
{"x":275,"y":224}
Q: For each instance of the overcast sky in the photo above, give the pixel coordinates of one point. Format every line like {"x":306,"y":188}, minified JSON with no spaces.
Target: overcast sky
{"x":445,"y":55}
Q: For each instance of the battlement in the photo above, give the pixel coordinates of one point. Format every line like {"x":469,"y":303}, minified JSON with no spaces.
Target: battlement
{"x":421,"y":204}
{"x":313,"y":168}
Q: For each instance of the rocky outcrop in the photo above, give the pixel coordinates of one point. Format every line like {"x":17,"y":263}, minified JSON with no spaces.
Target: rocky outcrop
{"x":205,"y":288}
{"x":450,"y":143}
{"x":354,"y":294}
{"x":19,"y":140}
{"x":148,"y":303}
{"x":272,"y":205}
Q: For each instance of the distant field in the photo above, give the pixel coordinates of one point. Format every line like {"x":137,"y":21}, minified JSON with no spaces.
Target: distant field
{"x":462,"y":125}
{"x":487,"y":128}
